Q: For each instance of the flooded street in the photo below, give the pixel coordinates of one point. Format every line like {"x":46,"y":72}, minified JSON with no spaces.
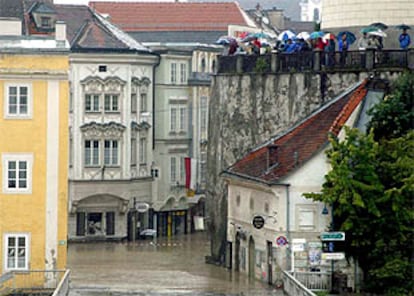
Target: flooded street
{"x":173,"y":266}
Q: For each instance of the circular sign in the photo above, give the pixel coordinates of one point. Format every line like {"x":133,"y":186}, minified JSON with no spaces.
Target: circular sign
{"x":258,"y":222}
{"x":142,"y":207}
{"x":281,"y":241}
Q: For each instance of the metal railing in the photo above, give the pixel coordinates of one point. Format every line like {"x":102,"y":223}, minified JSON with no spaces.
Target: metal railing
{"x":293,"y":287}
{"x":33,"y":281}
{"x":359,"y":60}
{"x":315,"y":281}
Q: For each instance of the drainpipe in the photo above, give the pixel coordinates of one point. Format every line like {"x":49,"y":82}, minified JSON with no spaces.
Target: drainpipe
{"x":153,"y":99}
{"x":290,"y":257}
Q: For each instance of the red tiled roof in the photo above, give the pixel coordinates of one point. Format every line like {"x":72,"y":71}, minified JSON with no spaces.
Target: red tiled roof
{"x":300,"y":143}
{"x":171,"y":16}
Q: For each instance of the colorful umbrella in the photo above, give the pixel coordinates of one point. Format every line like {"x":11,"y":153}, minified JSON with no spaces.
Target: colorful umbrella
{"x":379,"y":33}
{"x":369,"y":29}
{"x":380,"y":26}
{"x":316,"y":35}
{"x":303,"y":35}
{"x":225,"y":40}
{"x":329,"y":36}
{"x":350,"y":37}
{"x":403,"y":27}
{"x":285,"y":35}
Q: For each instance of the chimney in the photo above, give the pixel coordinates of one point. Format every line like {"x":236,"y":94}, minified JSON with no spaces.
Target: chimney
{"x":60,"y":31}
{"x":272,"y":155}
{"x":10,"y":26}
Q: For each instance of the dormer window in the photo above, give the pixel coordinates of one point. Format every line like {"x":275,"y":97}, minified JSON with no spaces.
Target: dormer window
{"x":43,"y":17}
{"x":46,"y":22}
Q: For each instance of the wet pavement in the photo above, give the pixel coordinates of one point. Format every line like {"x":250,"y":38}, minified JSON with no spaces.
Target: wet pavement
{"x":168,"y":267}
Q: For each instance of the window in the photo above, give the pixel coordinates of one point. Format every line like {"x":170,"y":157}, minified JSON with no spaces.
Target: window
{"x":133,"y":103}
{"x":142,"y":150}
{"x":173,"y":119}
{"x":46,"y":22}
{"x":251,"y":204}
{"x":306,"y":218}
{"x":17,"y":173}
{"x":238,"y":200}
{"x":183,"y":118}
{"x":111,"y":103}
{"x":111,"y":152}
{"x":266,"y":207}
{"x":203,"y":65}
{"x":203,"y":167}
{"x":18,"y":101}
{"x":102,"y":68}
{"x":143,"y":105}
{"x":133,"y":151}
{"x":173,"y":167}
{"x":173,"y":74}
{"x":203,"y":116}
{"x":183,"y":73}
{"x":17,"y":251}
{"x":91,"y":152}
{"x":91,"y":103}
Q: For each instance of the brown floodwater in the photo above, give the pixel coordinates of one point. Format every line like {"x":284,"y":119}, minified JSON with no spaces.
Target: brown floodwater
{"x":173,"y":266}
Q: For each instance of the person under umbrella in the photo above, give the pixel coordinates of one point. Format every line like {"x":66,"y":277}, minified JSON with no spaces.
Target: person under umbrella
{"x":343,"y":46}
{"x":404,"y":39}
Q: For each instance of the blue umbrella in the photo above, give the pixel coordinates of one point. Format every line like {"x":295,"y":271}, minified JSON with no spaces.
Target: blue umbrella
{"x":350,"y":37}
{"x":285,"y":35}
{"x":316,"y":35}
{"x":225,"y":40}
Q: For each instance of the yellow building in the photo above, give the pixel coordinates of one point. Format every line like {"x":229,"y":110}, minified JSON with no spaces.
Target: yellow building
{"x":34,"y":93}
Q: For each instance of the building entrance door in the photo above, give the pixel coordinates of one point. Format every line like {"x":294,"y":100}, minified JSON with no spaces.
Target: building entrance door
{"x":252,"y":258}
{"x":269,"y":262}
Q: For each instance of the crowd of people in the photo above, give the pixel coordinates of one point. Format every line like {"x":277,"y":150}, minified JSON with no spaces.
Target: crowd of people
{"x":340,"y":43}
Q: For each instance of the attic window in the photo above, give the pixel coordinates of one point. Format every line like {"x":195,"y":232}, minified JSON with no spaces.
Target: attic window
{"x":102,"y":68}
{"x":46,"y":22}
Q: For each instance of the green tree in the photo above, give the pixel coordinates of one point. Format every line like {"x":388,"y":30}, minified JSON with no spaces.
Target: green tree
{"x":395,"y":115}
{"x":371,"y":188}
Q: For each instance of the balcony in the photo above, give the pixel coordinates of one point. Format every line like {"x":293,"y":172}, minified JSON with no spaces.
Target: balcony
{"x":199,"y":79}
{"x":35,"y":282}
{"x":317,"y":61}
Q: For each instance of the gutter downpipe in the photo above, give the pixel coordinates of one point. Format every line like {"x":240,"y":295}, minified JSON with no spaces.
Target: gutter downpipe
{"x":153,"y":97}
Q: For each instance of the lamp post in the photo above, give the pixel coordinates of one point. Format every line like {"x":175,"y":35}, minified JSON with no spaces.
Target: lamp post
{"x":325,"y":212}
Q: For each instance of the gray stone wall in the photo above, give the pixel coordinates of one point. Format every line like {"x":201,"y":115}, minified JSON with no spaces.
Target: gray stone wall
{"x":247,"y":110}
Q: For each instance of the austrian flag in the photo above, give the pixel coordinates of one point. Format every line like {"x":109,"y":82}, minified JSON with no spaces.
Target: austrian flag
{"x":190,"y":172}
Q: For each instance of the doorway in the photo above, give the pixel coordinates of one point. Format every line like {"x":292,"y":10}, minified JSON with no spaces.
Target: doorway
{"x":252,"y":257}
{"x":237,"y":253}
{"x":94,"y":224}
{"x":269,"y":262}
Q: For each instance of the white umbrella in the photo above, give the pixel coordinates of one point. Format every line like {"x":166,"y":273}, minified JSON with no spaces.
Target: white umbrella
{"x":285,"y":35}
{"x":303,"y":35}
{"x":378,"y":33}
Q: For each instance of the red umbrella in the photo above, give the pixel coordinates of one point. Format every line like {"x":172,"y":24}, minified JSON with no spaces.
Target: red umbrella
{"x":329,"y":36}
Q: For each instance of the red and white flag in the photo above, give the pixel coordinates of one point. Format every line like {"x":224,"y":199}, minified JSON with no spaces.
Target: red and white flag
{"x":190,"y":172}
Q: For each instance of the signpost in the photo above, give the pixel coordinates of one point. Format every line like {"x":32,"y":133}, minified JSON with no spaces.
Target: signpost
{"x":333,"y":236}
{"x":333,"y":256}
{"x":258,"y":222}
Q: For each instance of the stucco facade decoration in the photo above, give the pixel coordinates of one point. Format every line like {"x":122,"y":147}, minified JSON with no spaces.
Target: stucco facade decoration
{"x":351,"y":13}
{"x":34,"y":102}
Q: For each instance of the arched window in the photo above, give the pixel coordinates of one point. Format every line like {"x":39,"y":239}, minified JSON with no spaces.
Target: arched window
{"x":203,"y":65}
{"x":316,"y":14}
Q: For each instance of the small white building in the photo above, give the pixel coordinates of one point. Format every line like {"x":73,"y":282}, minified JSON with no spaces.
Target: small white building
{"x":270,"y":181}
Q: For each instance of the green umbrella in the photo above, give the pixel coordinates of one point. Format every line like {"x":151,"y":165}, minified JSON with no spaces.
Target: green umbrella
{"x":369,"y":29}
{"x":381,"y":26}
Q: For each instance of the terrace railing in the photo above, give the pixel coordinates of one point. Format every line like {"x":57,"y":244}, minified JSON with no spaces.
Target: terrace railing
{"x":39,"y":282}
{"x":317,"y":61}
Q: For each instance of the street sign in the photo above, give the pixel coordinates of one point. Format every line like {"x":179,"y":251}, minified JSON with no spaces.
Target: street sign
{"x":333,"y":236}
{"x":258,"y":222}
{"x":333,"y":256}
{"x":298,"y":244}
{"x":281,"y":241}
{"x":142,"y":207}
